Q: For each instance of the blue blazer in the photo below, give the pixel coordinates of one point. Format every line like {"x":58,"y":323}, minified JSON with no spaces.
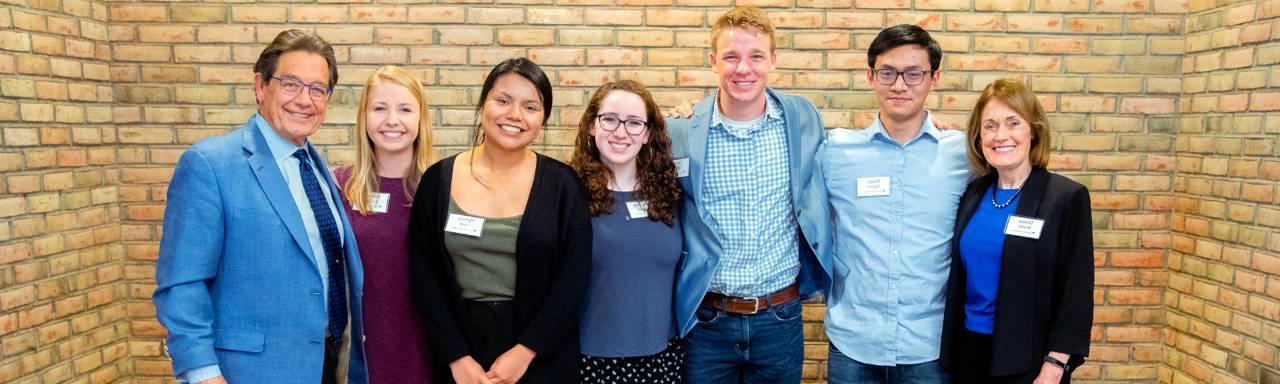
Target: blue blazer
{"x":701,"y":238}
{"x":237,"y":284}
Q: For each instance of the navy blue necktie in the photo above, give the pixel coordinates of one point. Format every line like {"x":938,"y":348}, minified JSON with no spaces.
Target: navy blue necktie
{"x":332,"y":246}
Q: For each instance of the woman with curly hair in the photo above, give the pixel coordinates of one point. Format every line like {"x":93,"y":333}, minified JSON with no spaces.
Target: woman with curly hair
{"x":623,"y":155}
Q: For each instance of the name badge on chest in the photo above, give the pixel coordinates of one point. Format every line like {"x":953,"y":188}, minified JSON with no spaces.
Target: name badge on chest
{"x":1023,"y":227}
{"x":873,"y":186}
{"x":682,"y":167}
{"x":378,"y":202}
{"x":464,"y":225}
{"x":638,"y":209}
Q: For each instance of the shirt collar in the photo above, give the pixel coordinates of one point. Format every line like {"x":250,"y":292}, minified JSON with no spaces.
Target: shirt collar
{"x":772,"y":110}
{"x":877,"y":129}
{"x":280,"y":148}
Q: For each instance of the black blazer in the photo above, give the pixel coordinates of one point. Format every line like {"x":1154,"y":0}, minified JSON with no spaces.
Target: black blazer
{"x":553,"y":262}
{"x":1045,"y":299}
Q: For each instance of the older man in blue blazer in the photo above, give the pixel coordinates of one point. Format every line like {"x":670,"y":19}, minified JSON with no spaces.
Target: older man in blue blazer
{"x":259,"y":279}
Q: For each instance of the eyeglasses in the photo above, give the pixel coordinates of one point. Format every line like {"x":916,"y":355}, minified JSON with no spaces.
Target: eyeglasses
{"x":318,"y":92}
{"x":910,"y":76}
{"x":610,"y":123}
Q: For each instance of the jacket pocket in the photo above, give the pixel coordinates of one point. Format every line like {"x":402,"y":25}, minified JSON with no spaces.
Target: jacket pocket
{"x":238,"y":340}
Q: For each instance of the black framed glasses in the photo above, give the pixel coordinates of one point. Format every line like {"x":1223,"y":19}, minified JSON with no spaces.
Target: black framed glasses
{"x":610,"y":123}
{"x":318,"y":92}
{"x":910,"y":76}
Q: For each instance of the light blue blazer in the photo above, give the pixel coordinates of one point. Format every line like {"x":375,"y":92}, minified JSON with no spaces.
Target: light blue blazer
{"x":702,"y":240}
{"x":237,"y":284}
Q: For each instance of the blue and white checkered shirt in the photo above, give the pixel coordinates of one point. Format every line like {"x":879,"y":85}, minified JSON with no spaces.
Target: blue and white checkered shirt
{"x":747,"y":191}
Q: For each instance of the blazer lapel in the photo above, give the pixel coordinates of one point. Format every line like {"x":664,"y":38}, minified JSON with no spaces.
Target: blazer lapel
{"x":968,"y":205}
{"x":1018,"y":264}
{"x":273,"y":185}
{"x":1033,"y":193}
{"x":698,"y":132}
{"x":793,"y":137}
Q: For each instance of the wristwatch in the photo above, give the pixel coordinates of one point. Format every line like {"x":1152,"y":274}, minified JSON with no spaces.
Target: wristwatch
{"x":1053,"y":360}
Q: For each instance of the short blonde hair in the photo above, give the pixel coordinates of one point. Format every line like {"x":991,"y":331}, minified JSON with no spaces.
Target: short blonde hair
{"x":746,"y":18}
{"x":364,"y":181}
{"x":1020,"y":99}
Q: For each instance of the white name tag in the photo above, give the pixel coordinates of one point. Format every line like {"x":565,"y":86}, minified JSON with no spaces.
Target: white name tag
{"x":873,"y":186}
{"x":682,"y":167}
{"x":378,"y":202}
{"x":638,"y":209}
{"x":464,"y":225}
{"x":1024,"y":227}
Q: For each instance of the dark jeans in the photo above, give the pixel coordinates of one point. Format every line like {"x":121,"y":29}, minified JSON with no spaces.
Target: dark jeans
{"x":843,"y":370}
{"x":767,"y":347}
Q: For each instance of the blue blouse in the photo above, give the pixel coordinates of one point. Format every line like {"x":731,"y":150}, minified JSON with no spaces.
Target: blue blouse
{"x":981,"y":248}
{"x":628,"y":311}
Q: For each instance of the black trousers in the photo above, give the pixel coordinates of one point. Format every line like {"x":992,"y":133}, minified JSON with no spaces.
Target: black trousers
{"x":490,"y":331}
{"x":973,"y":365}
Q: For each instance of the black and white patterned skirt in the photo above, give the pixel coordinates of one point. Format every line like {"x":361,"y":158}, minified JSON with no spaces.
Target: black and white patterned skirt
{"x":666,"y":367}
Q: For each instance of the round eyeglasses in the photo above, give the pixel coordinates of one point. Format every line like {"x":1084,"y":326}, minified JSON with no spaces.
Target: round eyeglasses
{"x":610,"y":123}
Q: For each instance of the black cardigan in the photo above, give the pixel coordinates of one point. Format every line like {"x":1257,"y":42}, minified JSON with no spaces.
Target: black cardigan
{"x":553,"y":263}
{"x":1045,"y":299}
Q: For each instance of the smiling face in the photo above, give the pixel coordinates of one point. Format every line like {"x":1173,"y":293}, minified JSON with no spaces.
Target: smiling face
{"x":899,"y":101}
{"x":298,"y":116}
{"x":743,"y":60}
{"x":619,"y":148}
{"x":512,"y":114}
{"x":392,"y":116}
{"x":1005,"y":138}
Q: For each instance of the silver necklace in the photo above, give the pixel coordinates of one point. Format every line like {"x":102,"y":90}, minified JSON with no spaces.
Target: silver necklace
{"x":1007,"y":202}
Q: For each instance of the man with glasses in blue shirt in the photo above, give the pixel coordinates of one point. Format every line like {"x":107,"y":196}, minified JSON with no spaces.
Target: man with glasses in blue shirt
{"x":259,"y":278}
{"x":894,"y":188}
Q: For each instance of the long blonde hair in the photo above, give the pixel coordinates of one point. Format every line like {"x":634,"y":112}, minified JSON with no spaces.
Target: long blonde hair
{"x":363,"y":181}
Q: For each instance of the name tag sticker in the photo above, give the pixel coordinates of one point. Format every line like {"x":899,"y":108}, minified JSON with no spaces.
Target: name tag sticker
{"x":873,"y":186}
{"x":464,"y":225}
{"x":682,"y":167}
{"x":379,"y":201}
{"x":638,"y":209}
{"x":1024,"y":227}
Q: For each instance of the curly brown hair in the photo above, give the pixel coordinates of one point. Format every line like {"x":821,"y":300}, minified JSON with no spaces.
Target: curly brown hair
{"x":655,"y":172}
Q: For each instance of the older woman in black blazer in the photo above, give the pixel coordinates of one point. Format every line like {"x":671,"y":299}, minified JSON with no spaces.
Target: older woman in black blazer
{"x":1019,"y":301}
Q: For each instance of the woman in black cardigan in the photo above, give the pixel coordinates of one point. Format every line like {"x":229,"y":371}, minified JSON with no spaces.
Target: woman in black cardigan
{"x":1020,"y":298}
{"x":500,"y":245}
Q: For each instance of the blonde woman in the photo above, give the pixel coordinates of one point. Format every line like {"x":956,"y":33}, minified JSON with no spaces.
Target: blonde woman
{"x":393,"y":148}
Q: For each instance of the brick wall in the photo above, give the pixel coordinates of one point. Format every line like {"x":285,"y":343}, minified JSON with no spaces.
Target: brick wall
{"x":63,"y":295}
{"x":1223,"y":294}
{"x":1172,"y":163}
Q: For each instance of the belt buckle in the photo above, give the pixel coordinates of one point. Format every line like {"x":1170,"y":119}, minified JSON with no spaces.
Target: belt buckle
{"x":755,"y":306}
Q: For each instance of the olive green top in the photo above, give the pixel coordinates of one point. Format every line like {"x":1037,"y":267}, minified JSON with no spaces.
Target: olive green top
{"x":485,"y":266}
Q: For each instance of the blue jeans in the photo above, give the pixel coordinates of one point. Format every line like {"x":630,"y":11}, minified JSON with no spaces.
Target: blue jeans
{"x":843,"y":370}
{"x":767,"y":347}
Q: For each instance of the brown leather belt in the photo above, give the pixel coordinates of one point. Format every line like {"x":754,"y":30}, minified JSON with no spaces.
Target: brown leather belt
{"x":751,"y":305}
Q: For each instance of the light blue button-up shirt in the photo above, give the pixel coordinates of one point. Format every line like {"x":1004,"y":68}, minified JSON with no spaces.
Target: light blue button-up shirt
{"x":892,"y":252}
{"x":282,"y":151}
